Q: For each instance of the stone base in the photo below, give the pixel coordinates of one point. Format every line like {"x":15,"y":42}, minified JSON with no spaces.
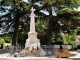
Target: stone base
{"x":32,"y":41}
{"x":34,"y":53}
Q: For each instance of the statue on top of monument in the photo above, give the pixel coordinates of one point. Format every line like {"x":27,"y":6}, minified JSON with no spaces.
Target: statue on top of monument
{"x":32,"y":9}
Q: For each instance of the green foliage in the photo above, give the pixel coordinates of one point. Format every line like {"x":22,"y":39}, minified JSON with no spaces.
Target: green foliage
{"x":7,"y":47}
{"x":7,"y":38}
{"x":69,"y":39}
{"x":6,"y":2}
{"x":49,"y":2}
{"x":19,"y":4}
{"x":64,"y":3}
{"x":57,"y":39}
{"x":75,"y":3}
{"x":66,"y":38}
{"x":22,"y":38}
{"x":78,"y":31}
{"x":41,"y":26}
{"x":67,"y":10}
{"x":2,"y":41}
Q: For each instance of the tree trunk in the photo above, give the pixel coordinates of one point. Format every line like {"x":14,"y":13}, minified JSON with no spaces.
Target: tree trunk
{"x":1,"y":46}
{"x":49,"y":34}
{"x":16,"y":31}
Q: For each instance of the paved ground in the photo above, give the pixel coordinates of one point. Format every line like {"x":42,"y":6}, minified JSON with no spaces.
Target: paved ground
{"x":74,"y":56}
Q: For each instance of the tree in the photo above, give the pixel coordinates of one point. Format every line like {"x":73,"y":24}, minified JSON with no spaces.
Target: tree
{"x":64,"y":19}
{"x":20,"y":9}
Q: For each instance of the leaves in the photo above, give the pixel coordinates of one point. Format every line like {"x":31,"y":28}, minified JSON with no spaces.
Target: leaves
{"x":7,"y":2}
{"x":2,"y":41}
{"x":41,"y":26}
{"x":65,"y":38}
{"x":69,"y":39}
{"x":67,"y":10}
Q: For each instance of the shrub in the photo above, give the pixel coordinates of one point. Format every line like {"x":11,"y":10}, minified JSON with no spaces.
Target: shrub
{"x":2,"y":41}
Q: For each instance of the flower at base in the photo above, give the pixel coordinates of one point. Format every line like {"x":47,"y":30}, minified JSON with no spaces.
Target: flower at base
{"x":63,"y":51}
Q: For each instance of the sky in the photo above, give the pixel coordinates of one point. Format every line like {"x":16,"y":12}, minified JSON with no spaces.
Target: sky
{"x":78,"y":9}
{"x":25,"y":0}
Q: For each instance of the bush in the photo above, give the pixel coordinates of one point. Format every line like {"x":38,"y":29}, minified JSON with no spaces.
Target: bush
{"x":2,"y":41}
{"x":7,"y":47}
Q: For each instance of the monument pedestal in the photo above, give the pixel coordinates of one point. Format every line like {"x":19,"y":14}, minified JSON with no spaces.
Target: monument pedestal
{"x":32,"y":41}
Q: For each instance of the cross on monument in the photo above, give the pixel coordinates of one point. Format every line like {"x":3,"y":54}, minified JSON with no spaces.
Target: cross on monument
{"x":32,"y":9}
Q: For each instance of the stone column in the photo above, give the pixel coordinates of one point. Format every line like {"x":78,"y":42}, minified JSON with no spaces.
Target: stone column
{"x":32,"y":21}
{"x":32,"y":41}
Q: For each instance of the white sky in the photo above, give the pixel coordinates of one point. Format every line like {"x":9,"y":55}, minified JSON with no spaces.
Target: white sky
{"x":79,"y":9}
{"x":25,"y":0}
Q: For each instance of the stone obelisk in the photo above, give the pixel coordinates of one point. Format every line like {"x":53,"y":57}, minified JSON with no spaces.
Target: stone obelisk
{"x":32,"y":41}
